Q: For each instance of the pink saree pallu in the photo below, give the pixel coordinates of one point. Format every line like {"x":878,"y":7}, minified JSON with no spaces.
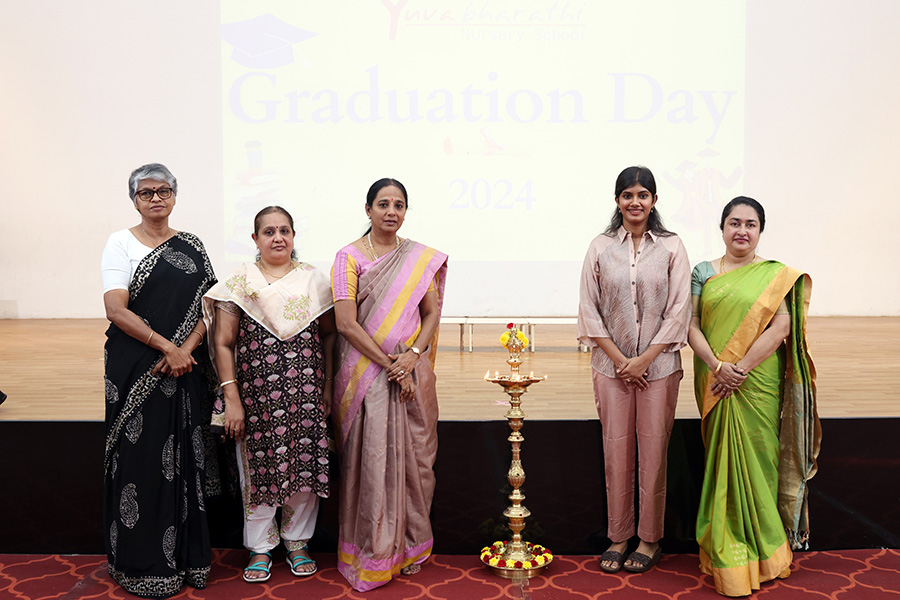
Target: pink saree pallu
{"x":387,"y":447}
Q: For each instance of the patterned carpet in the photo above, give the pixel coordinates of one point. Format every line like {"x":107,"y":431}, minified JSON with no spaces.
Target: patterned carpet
{"x":850,"y":575}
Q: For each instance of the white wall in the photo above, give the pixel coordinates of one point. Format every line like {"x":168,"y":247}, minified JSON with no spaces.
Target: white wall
{"x":92,"y":90}
{"x":822,"y":145}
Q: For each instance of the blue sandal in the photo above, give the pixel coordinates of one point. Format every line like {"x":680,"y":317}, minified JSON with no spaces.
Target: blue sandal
{"x":261,"y":565}
{"x":299,"y":561}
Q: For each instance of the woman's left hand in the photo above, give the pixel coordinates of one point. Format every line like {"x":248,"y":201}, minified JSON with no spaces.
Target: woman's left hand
{"x":402,"y":366}
{"x":730,"y":378}
{"x":328,"y":396}
{"x":407,"y":389}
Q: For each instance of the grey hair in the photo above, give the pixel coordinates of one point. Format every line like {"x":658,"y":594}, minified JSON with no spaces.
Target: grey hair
{"x":151,"y":171}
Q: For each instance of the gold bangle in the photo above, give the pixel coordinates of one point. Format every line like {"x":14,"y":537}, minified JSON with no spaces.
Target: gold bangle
{"x":718,"y":368}
{"x":198,"y":333}
{"x":224,"y":383}
{"x":148,"y":338}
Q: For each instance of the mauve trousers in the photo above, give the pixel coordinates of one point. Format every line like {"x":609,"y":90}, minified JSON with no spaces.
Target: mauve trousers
{"x":638,"y":420}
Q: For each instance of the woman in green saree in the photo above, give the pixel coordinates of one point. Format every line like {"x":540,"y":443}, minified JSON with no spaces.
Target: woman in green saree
{"x":755,"y":388}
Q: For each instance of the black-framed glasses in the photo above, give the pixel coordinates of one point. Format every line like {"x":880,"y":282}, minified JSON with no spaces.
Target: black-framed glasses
{"x":147,"y":195}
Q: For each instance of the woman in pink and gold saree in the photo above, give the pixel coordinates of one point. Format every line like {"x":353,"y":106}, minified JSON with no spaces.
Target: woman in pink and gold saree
{"x":755,"y":386}
{"x":388,"y":294}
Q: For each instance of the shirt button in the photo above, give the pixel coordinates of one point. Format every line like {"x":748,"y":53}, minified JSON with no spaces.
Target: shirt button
{"x":632,"y":283}
{"x":632,"y":264}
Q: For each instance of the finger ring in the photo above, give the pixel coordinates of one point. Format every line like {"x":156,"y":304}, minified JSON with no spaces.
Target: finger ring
{"x":402,"y":372}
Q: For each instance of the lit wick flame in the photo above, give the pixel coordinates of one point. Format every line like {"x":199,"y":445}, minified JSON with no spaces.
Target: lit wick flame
{"x":487,"y":374}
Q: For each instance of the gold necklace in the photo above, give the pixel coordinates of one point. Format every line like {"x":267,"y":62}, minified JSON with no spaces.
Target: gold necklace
{"x":722,"y":263}
{"x":372,"y":246}
{"x":266,"y":271}
{"x":152,"y":241}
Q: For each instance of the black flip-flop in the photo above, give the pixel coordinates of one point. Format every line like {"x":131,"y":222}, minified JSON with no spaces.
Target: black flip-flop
{"x":645,"y":562}
{"x":612,"y":556}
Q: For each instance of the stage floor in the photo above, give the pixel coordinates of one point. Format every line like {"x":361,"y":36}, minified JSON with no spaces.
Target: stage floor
{"x":52,"y":369}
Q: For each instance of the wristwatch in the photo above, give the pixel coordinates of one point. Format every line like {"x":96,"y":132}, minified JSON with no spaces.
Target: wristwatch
{"x":416,"y":351}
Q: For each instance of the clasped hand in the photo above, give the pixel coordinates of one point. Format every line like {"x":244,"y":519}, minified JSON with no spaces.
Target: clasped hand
{"x":175,"y":362}
{"x":633,"y":371}
{"x":402,"y":366}
{"x":729,"y":378}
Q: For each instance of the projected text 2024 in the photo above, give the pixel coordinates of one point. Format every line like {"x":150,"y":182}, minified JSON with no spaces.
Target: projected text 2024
{"x":500,"y":194}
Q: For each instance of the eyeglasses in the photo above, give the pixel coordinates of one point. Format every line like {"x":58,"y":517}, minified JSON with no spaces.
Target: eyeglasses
{"x":147,"y":195}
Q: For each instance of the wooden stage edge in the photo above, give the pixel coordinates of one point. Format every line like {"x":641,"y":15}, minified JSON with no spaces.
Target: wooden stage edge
{"x":52,"y":370}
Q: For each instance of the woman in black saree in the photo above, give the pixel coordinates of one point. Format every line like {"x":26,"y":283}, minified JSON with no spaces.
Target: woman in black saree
{"x":158,"y":397}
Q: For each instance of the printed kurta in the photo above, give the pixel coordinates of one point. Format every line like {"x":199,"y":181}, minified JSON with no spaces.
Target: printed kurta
{"x":280,"y":372}
{"x":285,"y":448}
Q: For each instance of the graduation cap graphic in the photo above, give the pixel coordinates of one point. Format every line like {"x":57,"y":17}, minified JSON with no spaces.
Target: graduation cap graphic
{"x":263,"y":42}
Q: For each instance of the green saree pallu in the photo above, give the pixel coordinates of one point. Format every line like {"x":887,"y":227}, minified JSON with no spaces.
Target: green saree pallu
{"x":762,"y":441}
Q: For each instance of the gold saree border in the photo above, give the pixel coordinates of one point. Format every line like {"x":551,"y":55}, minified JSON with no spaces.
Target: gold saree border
{"x":383,"y":575}
{"x":745,"y":579}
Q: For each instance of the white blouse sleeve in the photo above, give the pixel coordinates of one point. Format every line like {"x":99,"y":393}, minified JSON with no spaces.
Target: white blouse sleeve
{"x":120,"y":259}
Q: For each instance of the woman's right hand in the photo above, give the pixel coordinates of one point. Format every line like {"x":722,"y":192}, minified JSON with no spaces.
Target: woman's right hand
{"x":234,"y":414}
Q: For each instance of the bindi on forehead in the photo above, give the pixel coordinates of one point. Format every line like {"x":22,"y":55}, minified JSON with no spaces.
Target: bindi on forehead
{"x":151,"y":184}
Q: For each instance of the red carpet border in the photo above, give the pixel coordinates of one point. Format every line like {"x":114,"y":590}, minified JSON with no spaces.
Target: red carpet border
{"x":839,"y":575}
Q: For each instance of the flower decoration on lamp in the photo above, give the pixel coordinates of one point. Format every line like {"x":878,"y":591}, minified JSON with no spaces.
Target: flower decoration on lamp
{"x":511,"y":333}
{"x":493,"y":556}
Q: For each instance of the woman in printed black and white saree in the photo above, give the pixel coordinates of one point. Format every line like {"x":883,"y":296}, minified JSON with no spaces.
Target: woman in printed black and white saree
{"x":158,"y":397}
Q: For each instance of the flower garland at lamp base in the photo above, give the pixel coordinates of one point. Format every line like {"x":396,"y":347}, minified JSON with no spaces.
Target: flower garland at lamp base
{"x":493,"y":556}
